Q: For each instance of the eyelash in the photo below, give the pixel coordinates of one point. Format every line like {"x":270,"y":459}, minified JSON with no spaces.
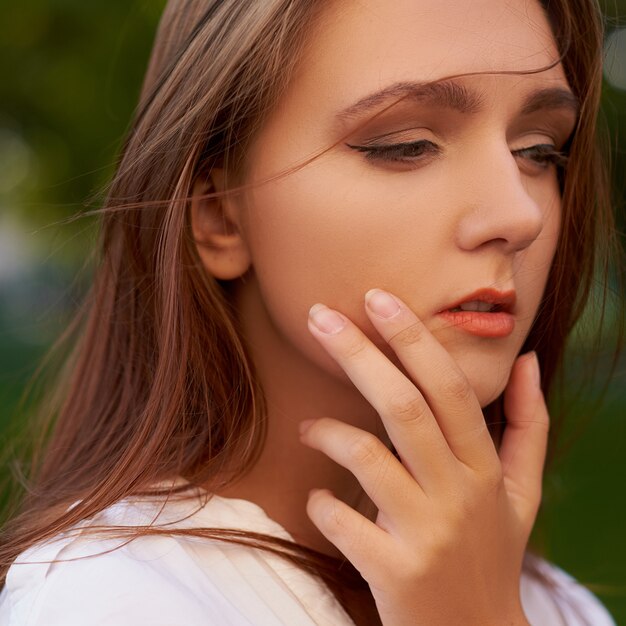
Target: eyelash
{"x":542,"y":155}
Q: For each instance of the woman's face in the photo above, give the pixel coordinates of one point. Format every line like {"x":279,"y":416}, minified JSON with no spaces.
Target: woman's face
{"x":470,"y":204}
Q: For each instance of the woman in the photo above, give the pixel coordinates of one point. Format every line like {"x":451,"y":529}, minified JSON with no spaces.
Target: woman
{"x":342,"y":252}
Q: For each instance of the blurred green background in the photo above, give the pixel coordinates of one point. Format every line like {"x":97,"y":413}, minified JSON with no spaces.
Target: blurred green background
{"x":71,"y":72}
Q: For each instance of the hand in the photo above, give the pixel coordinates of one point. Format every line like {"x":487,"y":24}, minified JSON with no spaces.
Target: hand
{"x":454,"y":515}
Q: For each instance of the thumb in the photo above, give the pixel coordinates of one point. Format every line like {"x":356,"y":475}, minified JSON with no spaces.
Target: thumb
{"x":525,"y":440}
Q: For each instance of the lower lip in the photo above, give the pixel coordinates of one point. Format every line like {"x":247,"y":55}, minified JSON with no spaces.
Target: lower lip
{"x":498,"y":324}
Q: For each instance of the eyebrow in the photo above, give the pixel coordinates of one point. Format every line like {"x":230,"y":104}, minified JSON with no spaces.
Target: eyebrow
{"x":453,"y":95}
{"x":551,"y":99}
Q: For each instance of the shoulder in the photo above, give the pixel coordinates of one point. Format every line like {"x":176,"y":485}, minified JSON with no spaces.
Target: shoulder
{"x":164,"y":580}
{"x":568,"y":602}
{"x":77,"y":578}
{"x":106,"y":585}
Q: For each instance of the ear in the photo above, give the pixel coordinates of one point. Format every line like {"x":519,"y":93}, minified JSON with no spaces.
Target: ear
{"x":215,"y":228}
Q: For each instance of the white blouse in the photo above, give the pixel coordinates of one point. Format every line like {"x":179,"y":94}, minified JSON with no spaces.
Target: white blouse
{"x":189,"y":581}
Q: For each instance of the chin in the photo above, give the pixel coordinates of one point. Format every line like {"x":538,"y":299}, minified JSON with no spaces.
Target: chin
{"x":487,"y":382}
{"x":486,"y":396}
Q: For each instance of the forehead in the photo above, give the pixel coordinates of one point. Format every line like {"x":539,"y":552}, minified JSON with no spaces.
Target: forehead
{"x":359,"y":46}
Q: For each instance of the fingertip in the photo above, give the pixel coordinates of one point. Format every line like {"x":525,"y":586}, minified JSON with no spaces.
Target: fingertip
{"x":316,"y":492}
{"x":304,"y":426}
{"x":537,"y":370}
{"x":528,"y":365}
{"x":314,"y":498}
{"x":322,"y":500}
{"x":531,"y":363}
{"x":524,"y":381}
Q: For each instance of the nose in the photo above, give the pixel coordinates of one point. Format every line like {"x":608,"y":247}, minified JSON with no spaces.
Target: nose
{"x":499,"y":208}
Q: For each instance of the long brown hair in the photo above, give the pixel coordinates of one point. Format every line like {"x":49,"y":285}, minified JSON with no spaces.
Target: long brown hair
{"x":158,"y":382}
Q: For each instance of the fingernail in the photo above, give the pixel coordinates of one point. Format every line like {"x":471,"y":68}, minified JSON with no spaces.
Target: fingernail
{"x":305,"y":425}
{"x":381,"y":303}
{"x":326,"y":320}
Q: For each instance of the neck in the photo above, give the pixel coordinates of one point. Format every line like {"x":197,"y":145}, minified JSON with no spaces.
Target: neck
{"x":296,"y":389}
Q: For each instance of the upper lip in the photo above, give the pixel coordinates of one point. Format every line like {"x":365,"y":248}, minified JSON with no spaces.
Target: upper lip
{"x":502,"y":300}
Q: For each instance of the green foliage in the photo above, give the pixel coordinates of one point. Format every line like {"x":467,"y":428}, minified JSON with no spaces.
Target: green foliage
{"x":71,"y":72}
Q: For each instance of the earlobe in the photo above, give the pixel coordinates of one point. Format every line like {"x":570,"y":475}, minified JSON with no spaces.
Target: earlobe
{"x":215,"y":228}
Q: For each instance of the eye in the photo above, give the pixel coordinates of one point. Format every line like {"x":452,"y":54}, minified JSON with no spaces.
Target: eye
{"x":542,"y":156}
{"x":398,"y":152}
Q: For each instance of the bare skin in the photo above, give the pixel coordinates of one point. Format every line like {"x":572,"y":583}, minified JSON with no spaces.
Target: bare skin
{"x":480,"y":209}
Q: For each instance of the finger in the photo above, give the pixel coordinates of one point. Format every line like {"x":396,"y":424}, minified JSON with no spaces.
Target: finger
{"x":385,"y":480}
{"x":363,"y":543}
{"x":442,"y":383}
{"x":525,"y":439}
{"x":405,"y":414}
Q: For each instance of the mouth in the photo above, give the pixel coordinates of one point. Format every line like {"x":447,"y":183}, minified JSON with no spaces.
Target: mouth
{"x":484,"y":313}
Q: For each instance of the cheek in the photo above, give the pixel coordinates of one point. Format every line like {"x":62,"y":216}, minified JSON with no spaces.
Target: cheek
{"x":309,"y":244}
{"x":332,"y":242}
{"x":329,"y":243}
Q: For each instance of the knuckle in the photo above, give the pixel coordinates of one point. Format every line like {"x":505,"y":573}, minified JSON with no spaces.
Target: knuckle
{"x":356,"y":539}
{"x":364,"y":449}
{"x":469,"y":436}
{"x":333,"y":517}
{"x":355,"y":349}
{"x":494,"y":478}
{"x":472,"y":497}
{"x":447,"y":538}
{"x":457,"y":387}
{"x":467,"y":511}
{"x":460,"y":508}
{"x":442,"y":543}
{"x":543,"y":422}
{"x":412,"y":572}
{"x":408,"y":407}
{"x":408,"y":336}
{"x":537,"y":412}
{"x":488,"y":483}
